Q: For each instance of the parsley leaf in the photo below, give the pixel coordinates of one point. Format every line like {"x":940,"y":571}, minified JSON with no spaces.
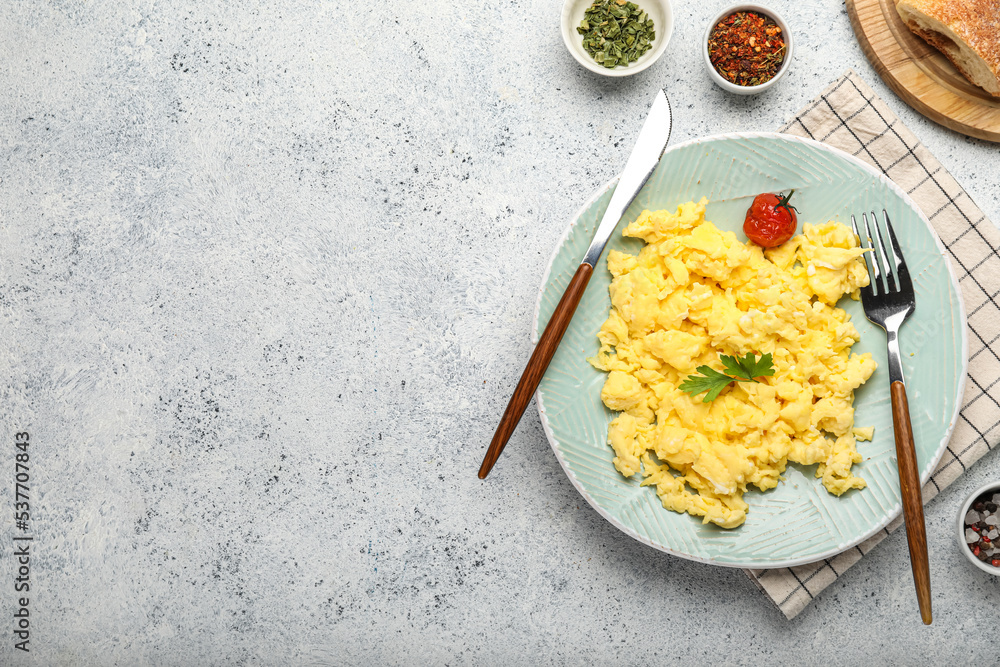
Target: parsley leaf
{"x":710,"y":380}
{"x":748,"y":368}
{"x":713,"y":382}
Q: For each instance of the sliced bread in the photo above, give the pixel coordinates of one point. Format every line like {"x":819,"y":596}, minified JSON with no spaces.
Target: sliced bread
{"x":966,"y":31}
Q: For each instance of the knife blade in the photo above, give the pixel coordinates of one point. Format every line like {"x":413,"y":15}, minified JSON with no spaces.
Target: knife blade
{"x":646,"y":154}
{"x":649,"y":147}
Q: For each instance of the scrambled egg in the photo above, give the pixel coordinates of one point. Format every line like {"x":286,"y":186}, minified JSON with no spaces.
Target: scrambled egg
{"x":693,"y":293}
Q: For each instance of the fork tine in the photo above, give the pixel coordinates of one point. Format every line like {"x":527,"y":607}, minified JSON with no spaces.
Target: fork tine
{"x":870,"y":289}
{"x":887,"y":258}
{"x":902,"y":274}
{"x":876,"y":257}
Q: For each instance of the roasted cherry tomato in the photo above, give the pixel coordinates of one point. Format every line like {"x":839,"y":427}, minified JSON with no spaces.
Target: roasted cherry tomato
{"x":770,"y":220}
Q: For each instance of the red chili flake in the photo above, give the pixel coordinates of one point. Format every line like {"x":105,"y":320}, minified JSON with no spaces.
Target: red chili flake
{"x":746,"y":48}
{"x":975,"y":528}
{"x":975,"y":551}
{"x":986,"y":539}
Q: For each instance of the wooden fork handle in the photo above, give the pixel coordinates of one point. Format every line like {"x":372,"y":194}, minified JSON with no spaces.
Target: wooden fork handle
{"x":913,"y":506}
{"x":540,"y":358}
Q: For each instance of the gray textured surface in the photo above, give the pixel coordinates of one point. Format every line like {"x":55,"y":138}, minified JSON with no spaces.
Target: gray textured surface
{"x":266,"y":281}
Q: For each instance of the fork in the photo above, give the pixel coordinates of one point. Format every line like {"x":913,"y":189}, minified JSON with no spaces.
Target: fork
{"x":888,"y":301}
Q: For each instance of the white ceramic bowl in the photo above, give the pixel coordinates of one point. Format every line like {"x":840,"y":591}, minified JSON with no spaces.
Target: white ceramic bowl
{"x":960,"y":526}
{"x":729,"y":85}
{"x":663,"y":23}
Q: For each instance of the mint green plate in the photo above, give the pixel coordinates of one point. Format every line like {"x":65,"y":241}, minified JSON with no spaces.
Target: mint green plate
{"x":798,"y":522}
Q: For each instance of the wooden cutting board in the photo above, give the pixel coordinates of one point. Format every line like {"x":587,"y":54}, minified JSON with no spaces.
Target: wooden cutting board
{"x":920,"y":74}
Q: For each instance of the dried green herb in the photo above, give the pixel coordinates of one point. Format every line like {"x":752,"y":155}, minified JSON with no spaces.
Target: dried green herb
{"x":616,"y":32}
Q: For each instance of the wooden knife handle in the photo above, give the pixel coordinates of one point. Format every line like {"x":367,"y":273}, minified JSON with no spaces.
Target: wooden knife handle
{"x":540,"y":358}
{"x":913,"y":506}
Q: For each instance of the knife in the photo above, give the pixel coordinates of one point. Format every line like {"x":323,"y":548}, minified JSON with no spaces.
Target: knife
{"x":646,"y":154}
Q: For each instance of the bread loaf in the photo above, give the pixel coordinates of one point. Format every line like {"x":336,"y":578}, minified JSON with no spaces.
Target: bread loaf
{"x":967,"y":31}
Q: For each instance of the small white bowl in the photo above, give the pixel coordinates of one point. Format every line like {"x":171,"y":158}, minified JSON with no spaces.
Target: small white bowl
{"x":729,"y":85}
{"x":960,"y":524}
{"x":663,"y":23}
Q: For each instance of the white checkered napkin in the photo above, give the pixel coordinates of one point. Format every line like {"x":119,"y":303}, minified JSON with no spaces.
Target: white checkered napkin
{"x":849,"y":116}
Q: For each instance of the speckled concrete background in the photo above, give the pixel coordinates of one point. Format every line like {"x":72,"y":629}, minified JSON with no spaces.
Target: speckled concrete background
{"x":266,"y":281}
